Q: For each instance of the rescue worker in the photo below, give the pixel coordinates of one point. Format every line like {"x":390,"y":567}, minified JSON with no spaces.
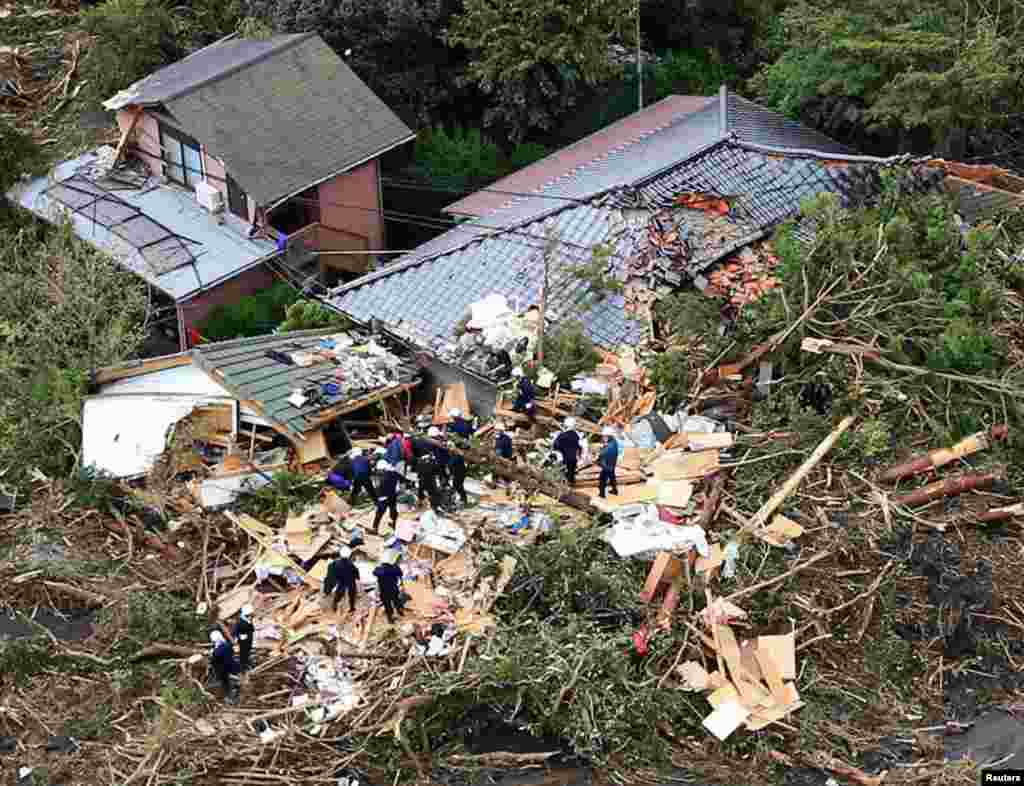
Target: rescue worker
{"x":441,"y":454}
{"x":340,"y":475}
{"x":503,"y":442}
{"x":459,"y":425}
{"x":244,"y":632}
{"x":607,"y":459}
{"x":342,"y":577}
{"x":526,"y":394}
{"x":426,"y":470}
{"x":387,"y":495}
{"x":361,"y":476}
{"x":224,"y":665}
{"x":393,"y":453}
{"x":457,"y":464}
{"x":568,"y":444}
{"x":389,"y":576}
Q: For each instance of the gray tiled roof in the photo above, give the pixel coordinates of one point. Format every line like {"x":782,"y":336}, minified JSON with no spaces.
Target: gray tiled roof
{"x":209,"y":63}
{"x":427,"y":291}
{"x":289,"y":120}
{"x":429,"y":298}
{"x":750,"y":122}
{"x":243,"y":367}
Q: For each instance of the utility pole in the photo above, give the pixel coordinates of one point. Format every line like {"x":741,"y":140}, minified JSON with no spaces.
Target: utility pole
{"x":550,"y":248}
{"x":639,"y":67}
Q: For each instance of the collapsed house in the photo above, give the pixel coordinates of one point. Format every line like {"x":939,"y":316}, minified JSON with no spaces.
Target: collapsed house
{"x":257,"y":405}
{"x":692,"y":201}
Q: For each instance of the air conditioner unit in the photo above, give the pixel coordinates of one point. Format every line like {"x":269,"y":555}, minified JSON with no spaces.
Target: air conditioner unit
{"x":209,"y":197}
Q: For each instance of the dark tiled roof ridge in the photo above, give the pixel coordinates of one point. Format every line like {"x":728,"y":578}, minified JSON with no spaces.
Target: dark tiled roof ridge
{"x":286,"y":42}
{"x":577,"y":170}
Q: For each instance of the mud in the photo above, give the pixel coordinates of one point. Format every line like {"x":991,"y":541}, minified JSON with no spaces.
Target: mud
{"x":996,"y":741}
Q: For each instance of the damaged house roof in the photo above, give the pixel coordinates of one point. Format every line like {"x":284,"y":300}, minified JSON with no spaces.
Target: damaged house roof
{"x":124,"y":426}
{"x":284,"y":113}
{"x":424,"y":295}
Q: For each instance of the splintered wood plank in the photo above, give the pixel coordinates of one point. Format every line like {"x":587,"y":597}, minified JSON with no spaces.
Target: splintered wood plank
{"x":782,"y":651}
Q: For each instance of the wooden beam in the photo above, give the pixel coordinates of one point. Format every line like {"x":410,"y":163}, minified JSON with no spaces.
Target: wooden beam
{"x":136,"y":113}
{"x":328,"y":415}
{"x":135,"y":368}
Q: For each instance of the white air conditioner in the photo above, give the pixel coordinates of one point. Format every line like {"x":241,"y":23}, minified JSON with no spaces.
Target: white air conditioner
{"x":209,"y":197}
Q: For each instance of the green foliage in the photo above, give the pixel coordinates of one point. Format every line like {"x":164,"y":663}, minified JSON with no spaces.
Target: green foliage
{"x":524,"y":154}
{"x":254,"y":315}
{"x":134,"y":38}
{"x":529,"y":54}
{"x":568,"y":351}
{"x":161,"y":616}
{"x":18,"y":154}
{"x":309,"y":315}
{"x":94,"y":726}
{"x":955,"y":67}
{"x":696,"y":72}
{"x":22,"y":659}
{"x":670,"y":374}
{"x":460,"y":156}
{"x":287,"y":491}
{"x":65,"y":309}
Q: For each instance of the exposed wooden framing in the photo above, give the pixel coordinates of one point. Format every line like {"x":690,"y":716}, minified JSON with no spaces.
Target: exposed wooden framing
{"x":136,"y":113}
{"x":137,"y":368}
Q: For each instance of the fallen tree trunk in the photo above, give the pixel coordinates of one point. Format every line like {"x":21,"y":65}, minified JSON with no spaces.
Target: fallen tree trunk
{"x":1001,"y":514}
{"x":942,"y":456}
{"x":522,"y":474}
{"x":91,"y":598}
{"x":160,"y":650}
{"x":504,"y":759}
{"x":950,"y":487}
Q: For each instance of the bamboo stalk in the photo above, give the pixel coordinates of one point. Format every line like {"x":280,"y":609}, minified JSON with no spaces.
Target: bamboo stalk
{"x":768,"y":508}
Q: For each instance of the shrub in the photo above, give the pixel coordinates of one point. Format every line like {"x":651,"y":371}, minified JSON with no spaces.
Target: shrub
{"x":134,"y":38}
{"x":254,"y":315}
{"x":696,"y":72}
{"x":461,"y":157}
{"x":568,"y":351}
{"x":18,"y":154}
{"x":309,"y":315}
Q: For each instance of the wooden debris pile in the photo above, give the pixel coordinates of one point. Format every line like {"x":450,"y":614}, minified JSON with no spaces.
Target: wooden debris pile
{"x":753,"y":683}
{"x":745,"y":276}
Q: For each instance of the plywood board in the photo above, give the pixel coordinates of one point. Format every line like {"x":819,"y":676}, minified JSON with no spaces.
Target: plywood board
{"x":450,"y":397}
{"x":311,"y":549}
{"x":644,"y":492}
{"x":771,"y":673}
{"x":697,"y":440}
{"x":230,"y":603}
{"x":675,"y":493}
{"x":313,"y":447}
{"x":319,"y":571}
{"x":723,"y":694}
{"x":780,"y":531}
{"x":686,"y":466}
{"x":782,"y":650}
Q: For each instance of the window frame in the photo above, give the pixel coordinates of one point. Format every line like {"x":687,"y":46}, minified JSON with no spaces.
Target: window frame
{"x":169,"y":136}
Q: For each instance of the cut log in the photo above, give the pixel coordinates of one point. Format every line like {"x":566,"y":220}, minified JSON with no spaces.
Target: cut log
{"x":950,"y":487}
{"x":942,"y":456}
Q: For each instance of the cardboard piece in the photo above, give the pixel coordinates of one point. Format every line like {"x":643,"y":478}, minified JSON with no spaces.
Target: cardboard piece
{"x":726,"y":719}
{"x":782,"y":651}
{"x":675,"y":493}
